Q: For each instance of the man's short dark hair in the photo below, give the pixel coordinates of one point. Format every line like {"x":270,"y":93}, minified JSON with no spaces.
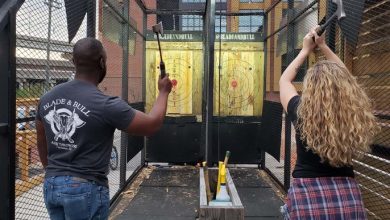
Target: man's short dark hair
{"x":87,"y":53}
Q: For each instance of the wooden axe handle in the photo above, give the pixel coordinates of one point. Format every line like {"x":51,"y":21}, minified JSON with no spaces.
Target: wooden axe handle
{"x":162,"y":69}
{"x":323,"y":25}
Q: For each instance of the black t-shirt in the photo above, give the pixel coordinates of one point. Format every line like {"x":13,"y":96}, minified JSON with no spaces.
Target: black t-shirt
{"x":308,"y":163}
{"x":79,"y":122}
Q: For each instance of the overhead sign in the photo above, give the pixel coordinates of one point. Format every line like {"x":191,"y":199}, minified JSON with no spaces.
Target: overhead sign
{"x":198,"y":36}
{"x":176,"y":36}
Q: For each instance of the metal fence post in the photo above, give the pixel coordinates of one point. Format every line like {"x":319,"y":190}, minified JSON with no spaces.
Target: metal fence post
{"x":287,"y":153}
{"x":91,"y":18}
{"x":208,"y":84}
{"x":331,"y":32}
{"x":287,"y":122}
{"x":265,"y":49}
{"x":144,"y":29}
{"x":7,"y":110}
{"x":125,"y":81}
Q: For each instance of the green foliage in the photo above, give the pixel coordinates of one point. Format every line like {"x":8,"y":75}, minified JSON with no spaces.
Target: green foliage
{"x":33,"y":91}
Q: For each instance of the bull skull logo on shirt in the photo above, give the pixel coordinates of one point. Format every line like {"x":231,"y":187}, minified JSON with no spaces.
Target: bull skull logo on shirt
{"x":63,"y":123}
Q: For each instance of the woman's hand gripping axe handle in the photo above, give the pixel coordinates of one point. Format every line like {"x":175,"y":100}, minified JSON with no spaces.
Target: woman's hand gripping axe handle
{"x":339,"y":13}
{"x":158,"y":29}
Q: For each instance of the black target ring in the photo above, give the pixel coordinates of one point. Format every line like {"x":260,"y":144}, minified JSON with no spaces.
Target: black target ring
{"x":236,"y":85}
{"x":176,"y":69}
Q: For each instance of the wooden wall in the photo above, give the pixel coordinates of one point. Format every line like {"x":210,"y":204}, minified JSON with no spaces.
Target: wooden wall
{"x":369,"y":61}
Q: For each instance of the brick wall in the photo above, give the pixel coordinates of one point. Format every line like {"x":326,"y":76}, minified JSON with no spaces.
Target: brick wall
{"x":112,"y":85}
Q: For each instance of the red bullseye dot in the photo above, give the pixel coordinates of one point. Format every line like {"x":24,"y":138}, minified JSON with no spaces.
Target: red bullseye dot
{"x":174,"y":82}
{"x":234,"y":83}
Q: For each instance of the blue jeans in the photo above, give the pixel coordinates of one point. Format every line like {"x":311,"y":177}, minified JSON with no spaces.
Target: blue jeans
{"x":72,"y":198}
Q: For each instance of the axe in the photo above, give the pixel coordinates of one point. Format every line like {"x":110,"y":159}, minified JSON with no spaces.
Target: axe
{"x":339,"y":13}
{"x":158,"y":29}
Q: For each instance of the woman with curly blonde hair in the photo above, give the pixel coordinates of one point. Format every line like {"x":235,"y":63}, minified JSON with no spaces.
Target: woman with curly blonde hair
{"x":334,"y":124}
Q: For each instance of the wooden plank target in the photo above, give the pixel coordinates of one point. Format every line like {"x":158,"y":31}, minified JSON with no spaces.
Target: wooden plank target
{"x":179,"y":64}
{"x":238,"y":81}
{"x":184,"y":65}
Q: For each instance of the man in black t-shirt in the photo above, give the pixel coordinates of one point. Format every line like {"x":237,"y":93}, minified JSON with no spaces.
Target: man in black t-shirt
{"x":75,"y":127}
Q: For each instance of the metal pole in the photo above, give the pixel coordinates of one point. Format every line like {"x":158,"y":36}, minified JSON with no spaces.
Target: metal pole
{"x":91,"y":19}
{"x":287,"y":153}
{"x":287,"y":122}
{"x":47,"y":69}
{"x":143,"y":151}
{"x":265,"y":48}
{"x":209,"y":77}
{"x":331,"y":33}
{"x":47,"y":77}
{"x":7,"y":111}
{"x":125,"y":87}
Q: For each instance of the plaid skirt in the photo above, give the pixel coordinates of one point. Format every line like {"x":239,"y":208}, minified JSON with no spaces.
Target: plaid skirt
{"x":328,"y":198}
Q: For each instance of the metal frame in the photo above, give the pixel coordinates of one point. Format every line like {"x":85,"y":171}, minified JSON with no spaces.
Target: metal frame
{"x":125,"y":90}
{"x":290,"y":25}
{"x":8,"y":102}
{"x":144,"y":29}
{"x":126,"y":25}
{"x":287,"y":122}
{"x":330,"y":36}
{"x":265,"y":45}
{"x":292,"y":19}
{"x":208,"y":84}
{"x":91,"y":18}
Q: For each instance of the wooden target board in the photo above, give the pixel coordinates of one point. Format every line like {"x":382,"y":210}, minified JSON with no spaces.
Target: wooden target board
{"x":183,"y":62}
{"x":238,"y":79}
{"x":238,"y":84}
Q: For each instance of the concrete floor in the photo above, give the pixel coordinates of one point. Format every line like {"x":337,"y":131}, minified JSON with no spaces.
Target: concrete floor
{"x":173,"y":193}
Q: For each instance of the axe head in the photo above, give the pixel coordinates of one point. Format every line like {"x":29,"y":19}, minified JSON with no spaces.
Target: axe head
{"x":158,"y":29}
{"x":340,"y":9}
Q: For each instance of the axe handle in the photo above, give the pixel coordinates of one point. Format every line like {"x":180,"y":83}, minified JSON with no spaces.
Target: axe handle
{"x":323,"y":26}
{"x":162,"y":69}
{"x":162,"y":64}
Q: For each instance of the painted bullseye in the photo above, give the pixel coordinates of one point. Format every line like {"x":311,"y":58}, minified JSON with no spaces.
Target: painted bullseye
{"x":234,"y":84}
{"x":174,"y":82}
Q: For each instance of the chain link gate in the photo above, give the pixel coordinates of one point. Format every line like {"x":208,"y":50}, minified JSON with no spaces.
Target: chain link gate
{"x":46,"y":31}
{"x":366,"y":56}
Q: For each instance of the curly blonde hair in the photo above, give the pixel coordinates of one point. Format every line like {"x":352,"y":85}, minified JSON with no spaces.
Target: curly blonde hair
{"x":335,"y":114}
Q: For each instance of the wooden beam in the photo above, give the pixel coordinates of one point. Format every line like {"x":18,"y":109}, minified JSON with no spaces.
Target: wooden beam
{"x":375,"y":203}
{"x":375,"y":46}
{"x":374,"y":173}
{"x":25,"y":186}
{"x":369,"y":64}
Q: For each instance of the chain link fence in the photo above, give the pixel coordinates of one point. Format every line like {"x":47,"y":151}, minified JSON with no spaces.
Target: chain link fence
{"x":44,"y":53}
{"x":44,"y":60}
{"x":368,"y":59}
{"x":362,"y":42}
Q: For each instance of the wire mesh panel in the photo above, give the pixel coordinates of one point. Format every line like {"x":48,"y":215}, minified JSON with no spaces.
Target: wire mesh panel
{"x":361,"y":40}
{"x":42,"y":62}
{"x":276,"y":61}
{"x":182,"y":53}
{"x":46,"y":33}
{"x":364,"y":43}
{"x":238,"y":80}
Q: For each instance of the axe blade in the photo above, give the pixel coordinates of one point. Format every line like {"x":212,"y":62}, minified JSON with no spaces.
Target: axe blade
{"x":340,"y":13}
{"x":158,"y":29}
